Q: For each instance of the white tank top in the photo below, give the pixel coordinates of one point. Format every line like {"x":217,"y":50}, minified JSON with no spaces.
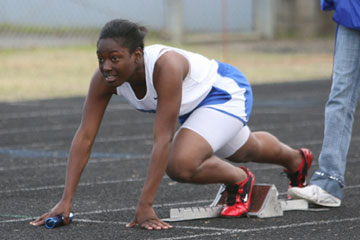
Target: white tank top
{"x":197,"y":84}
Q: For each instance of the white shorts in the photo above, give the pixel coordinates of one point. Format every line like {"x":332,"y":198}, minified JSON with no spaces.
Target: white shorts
{"x":225,"y":133}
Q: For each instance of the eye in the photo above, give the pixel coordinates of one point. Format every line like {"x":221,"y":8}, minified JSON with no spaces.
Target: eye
{"x":114,"y":58}
{"x":100,"y":59}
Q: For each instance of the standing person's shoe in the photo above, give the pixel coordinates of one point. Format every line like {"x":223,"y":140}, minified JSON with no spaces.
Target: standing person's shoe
{"x":298,"y":178}
{"x":314,"y":194}
{"x":239,"y":196}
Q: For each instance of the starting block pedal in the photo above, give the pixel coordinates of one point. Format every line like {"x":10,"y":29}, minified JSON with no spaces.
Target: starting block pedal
{"x":192,"y":213}
{"x":264,"y":204}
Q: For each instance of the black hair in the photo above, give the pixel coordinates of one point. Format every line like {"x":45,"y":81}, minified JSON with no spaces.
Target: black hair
{"x":128,"y":34}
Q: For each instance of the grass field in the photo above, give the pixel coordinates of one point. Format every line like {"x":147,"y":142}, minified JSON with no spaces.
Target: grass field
{"x":39,"y":73}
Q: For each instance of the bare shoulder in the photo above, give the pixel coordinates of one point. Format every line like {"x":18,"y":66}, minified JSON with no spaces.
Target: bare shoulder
{"x":170,"y":58}
{"x":171,"y":63}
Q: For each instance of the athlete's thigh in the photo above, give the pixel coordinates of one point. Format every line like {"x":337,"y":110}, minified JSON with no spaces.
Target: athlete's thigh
{"x":237,"y":146}
{"x":203,"y":133}
{"x":189,"y":149}
{"x":247,"y":152}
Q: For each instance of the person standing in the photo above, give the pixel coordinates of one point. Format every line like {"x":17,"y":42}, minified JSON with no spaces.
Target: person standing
{"x":326,"y":186}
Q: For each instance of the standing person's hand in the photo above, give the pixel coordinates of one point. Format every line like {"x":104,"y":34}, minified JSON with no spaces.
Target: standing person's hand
{"x":146,"y":218}
{"x":61,"y":209}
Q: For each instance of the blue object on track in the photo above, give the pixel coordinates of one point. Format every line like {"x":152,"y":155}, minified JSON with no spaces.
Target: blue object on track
{"x":56,"y":221}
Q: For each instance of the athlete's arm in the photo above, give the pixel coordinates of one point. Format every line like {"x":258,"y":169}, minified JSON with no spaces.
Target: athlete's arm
{"x":95,"y":104}
{"x":170,"y":70}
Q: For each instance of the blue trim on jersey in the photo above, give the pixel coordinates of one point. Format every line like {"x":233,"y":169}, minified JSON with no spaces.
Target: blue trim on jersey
{"x":230,"y":114}
{"x":215,"y":96}
{"x":219,"y":96}
{"x":183,"y":118}
{"x":229,"y":71}
{"x":147,"y":111}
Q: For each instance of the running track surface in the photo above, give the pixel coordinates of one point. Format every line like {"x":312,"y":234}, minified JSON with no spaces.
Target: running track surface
{"x":35,"y":138}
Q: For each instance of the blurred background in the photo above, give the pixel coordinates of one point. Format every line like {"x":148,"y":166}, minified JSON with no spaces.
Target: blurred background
{"x":47,"y":47}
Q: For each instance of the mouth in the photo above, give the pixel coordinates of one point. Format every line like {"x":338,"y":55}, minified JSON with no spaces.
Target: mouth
{"x":110,"y":78}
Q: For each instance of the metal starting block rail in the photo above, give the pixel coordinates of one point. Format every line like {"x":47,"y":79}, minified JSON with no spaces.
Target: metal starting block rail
{"x":264,"y":204}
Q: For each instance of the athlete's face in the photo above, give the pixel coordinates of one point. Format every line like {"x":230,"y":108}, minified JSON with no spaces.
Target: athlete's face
{"x":115,"y":62}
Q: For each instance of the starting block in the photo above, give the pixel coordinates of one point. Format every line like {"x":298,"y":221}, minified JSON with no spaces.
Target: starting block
{"x":264,"y":204}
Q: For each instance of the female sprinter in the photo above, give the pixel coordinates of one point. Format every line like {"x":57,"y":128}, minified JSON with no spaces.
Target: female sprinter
{"x":211,"y":100}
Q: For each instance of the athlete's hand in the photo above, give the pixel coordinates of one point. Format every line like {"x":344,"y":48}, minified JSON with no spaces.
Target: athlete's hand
{"x":62,"y":209}
{"x":146,"y":218}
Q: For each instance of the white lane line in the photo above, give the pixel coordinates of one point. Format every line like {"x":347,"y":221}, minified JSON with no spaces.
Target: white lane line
{"x":140,"y":137}
{"x":134,"y":137}
{"x":291,"y":124}
{"x":134,"y":207}
{"x":64,"y":164}
{"x":80,"y":184}
{"x":35,"y":114}
{"x":38,"y":129}
{"x":287,"y":111}
{"x":17,"y":220}
{"x":113,"y":210}
{"x":99,"y":221}
{"x":96,"y":161}
{"x":218,"y":231}
{"x":221,"y":231}
{"x":59,"y":127}
{"x":78,"y":111}
{"x":118,"y":107}
{"x":352,"y":186}
{"x":314,"y":142}
{"x":110,"y":160}
{"x":59,"y":112}
{"x":25,"y":153}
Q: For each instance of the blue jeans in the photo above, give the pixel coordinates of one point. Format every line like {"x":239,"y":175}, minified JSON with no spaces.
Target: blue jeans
{"x":339,"y":112}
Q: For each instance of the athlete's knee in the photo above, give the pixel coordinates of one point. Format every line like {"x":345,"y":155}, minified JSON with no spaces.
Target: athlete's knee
{"x":179,"y":169}
{"x":179,"y":174}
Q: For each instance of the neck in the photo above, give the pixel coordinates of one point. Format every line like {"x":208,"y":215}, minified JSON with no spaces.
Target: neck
{"x":138,"y":82}
{"x":138,"y":78}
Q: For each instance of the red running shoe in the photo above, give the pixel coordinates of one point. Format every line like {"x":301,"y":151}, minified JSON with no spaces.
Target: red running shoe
{"x":239,"y":196}
{"x":298,"y":178}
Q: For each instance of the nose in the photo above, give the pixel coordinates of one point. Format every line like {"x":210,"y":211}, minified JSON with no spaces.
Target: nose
{"x":106,"y":66}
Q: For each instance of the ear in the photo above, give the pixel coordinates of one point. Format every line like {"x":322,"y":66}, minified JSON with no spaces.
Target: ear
{"x":138,"y":54}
